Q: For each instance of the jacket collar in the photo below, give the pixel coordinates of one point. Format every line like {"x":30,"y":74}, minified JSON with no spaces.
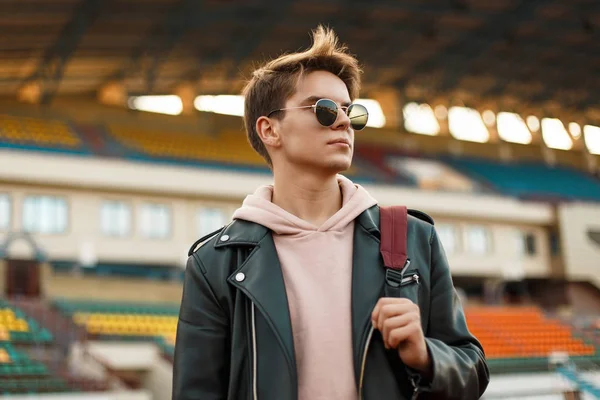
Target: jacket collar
{"x":246,"y":233}
{"x":369,"y":220}
{"x":241,"y":233}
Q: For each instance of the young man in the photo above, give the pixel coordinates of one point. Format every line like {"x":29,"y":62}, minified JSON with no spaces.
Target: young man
{"x":286,"y":302}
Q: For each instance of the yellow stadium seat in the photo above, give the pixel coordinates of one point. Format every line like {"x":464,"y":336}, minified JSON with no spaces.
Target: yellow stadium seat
{"x":37,"y":131}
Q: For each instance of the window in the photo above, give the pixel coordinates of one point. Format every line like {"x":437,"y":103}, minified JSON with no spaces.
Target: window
{"x":4,"y":212}
{"x":526,"y":245}
{"x":209,"y":220}
{"x":478,"y":240}
{"x":554,"y":239}
{"x":448,"y":235}
{"x":45,"y":214}
{"x":115,"y":218}
{"x":155,"y":221}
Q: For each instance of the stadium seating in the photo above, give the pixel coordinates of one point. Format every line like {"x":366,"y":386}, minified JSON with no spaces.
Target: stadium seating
{"x":227,"y":148}
{"x":527,"y":180}
{"x":20,"y":374}
{"x":22,"y":341}
{"x":37,"y":133}
{"x":523,"y":338}
{"x":507,"y":332}
{"x":124,"y":321}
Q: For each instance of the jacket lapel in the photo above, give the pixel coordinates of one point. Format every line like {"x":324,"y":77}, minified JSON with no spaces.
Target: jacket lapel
{"x":261,"y":279}
{"x":367,"y":279}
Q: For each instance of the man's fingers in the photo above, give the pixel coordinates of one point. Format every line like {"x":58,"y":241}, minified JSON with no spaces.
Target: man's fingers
{"x":386,"y":301}
{"x":394,"y":323}
{"x":391,"y":310}
{"x":399,"y":335}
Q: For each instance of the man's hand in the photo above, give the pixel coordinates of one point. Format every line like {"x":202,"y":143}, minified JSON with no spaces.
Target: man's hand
{"x":399,"y":322}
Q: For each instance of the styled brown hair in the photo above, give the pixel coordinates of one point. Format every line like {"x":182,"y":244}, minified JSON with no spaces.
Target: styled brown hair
{"x":275,"y":81}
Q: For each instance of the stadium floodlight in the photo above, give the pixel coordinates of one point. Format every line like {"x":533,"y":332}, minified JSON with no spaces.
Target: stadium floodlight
{"x":162,"y":104}
{"x":575,"y":129}
{"x":440,"y":112}
{"x":488,"y":117}
{"x":466,"y":124}
{"x":512,"y":128}
{"x":376,"y":117}
{"x":221,"y":104}
{"x":555,"y":135}
{"x":420,"y":118}
{"x":591,"y":135}
{"x":533,"y":123}
{"x":234,"y":105}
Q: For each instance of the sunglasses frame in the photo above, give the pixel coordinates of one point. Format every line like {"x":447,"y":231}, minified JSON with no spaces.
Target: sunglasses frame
{"x":314,"y":107}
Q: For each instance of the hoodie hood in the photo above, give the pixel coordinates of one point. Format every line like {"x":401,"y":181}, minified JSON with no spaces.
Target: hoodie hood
{"x":259,"y":208}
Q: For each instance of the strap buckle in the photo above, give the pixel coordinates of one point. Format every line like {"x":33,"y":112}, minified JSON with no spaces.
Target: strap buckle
{"x":393,"y":277}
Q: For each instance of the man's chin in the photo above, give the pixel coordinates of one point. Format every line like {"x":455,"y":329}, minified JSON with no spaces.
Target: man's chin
{"x":327,"y":167}
{"x":338,"y":167}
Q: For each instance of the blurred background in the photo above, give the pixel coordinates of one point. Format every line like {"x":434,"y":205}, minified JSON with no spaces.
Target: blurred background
{"x":121,"y":143}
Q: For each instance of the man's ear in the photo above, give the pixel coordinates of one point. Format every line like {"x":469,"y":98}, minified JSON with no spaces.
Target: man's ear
{"x":268,"y":132}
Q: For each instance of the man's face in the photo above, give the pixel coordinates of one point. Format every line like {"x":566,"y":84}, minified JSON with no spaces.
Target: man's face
{"x":304,"y":141}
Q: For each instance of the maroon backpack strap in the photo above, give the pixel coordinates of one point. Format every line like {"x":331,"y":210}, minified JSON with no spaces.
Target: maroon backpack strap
{"x":393,"y":223}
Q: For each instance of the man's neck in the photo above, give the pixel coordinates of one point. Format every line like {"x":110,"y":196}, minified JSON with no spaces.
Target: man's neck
{"x":312,"y":198}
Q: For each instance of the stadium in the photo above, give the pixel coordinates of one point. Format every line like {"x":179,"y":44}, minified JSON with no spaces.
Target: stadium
{"x":121,"y":144}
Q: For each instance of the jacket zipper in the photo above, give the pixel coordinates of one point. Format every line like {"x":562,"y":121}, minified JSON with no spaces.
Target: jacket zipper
{"x":254,"y":356}
{"x":410,"y":279}
{"x":415,"y":395}
{"x":405,"y":281}
{"x":416,"y":390}
{"x":364,"y":362}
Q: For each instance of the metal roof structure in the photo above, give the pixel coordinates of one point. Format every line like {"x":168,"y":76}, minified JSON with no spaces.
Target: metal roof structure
{"x":509,"y":54}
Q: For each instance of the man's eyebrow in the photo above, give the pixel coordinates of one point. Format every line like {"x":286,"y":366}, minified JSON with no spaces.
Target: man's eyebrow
{"x":313,"y":99}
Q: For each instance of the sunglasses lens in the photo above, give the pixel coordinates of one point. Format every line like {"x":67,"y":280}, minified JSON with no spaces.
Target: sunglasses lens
{"x":358,"y":115}
{"x":326,"y":111}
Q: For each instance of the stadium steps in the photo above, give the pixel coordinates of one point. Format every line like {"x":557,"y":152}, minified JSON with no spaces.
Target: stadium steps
{"x":375,"y":157}
{"x":111,"y":146}
{"x":584,"y":385}
{"x":93,"y":138}
{"x":62,"y":328}
{"x":31,"y":333}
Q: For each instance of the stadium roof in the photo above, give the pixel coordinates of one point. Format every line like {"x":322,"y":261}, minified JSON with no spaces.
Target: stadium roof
{"x":514,"y":54}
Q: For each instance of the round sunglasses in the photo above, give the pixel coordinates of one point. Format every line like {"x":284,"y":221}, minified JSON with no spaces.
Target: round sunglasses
{"x":326,"y":112}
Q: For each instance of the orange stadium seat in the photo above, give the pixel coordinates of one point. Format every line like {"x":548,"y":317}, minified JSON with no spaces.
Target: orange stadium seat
{"x":511,"y":332}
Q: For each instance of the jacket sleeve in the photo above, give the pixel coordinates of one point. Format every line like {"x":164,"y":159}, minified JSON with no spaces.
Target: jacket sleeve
{"x":200,"y":366}
{"x":459,"y":366}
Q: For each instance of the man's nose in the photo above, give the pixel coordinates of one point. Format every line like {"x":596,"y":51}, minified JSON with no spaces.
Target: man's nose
{"x":342,"y":121}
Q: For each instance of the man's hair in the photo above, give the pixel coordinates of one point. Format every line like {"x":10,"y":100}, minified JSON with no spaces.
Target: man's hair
{"x":275,"y":81}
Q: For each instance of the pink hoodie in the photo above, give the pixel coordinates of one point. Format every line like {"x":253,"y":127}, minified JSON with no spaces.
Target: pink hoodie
{"x":316,"y":262}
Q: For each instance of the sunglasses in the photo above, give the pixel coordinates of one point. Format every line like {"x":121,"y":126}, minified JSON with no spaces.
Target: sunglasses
{"x":326,"y":112}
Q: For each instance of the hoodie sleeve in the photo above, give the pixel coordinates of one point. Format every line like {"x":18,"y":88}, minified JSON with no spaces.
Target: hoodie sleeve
{"x":459,"y":366}
{"x":201,"y":340}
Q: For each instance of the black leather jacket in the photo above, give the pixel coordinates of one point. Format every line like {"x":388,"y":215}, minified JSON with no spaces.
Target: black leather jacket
{"x":234,"y":336}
